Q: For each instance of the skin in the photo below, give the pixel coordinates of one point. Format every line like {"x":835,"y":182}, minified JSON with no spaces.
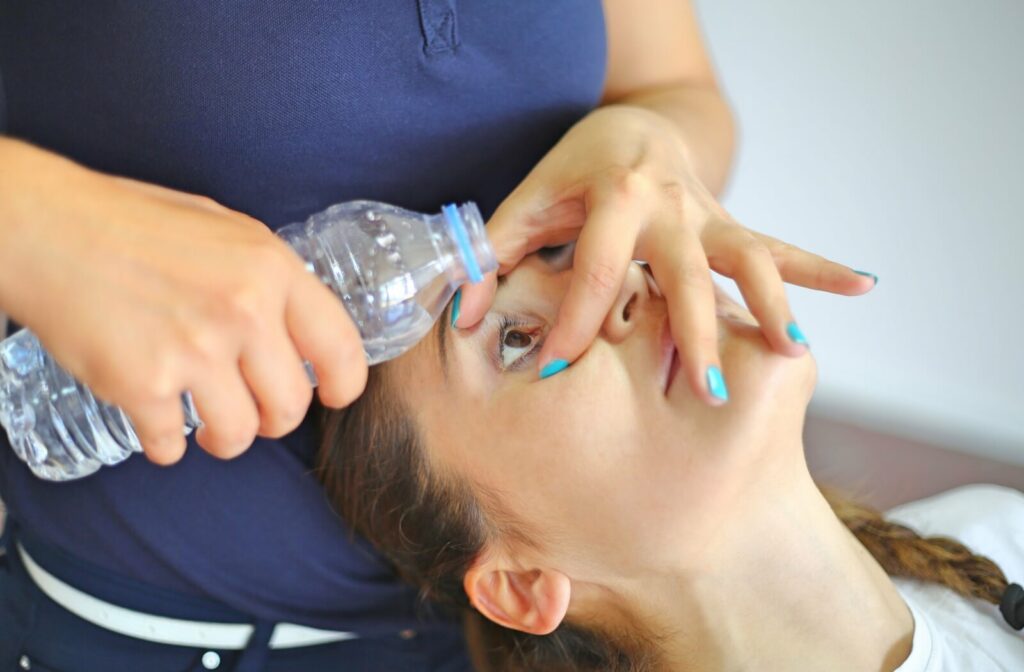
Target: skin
{"x":651,"y":509}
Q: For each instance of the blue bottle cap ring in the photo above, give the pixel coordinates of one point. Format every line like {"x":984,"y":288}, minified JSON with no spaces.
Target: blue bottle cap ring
{"x":454,"y":218}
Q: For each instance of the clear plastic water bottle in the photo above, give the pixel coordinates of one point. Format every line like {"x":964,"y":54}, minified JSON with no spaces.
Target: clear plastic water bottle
{"x":394,"y":270}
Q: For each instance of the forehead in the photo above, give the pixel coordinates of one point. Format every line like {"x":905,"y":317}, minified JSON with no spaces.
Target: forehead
{"x":425,"y":378}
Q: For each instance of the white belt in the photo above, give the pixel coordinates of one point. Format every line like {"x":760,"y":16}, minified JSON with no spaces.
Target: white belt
{"x":165,"y":630}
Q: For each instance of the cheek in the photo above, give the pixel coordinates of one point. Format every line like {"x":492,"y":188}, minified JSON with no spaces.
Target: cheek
{"x":567,"y":456}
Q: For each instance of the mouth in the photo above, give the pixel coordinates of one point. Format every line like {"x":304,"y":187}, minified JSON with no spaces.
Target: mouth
{"x":669,"y":358}
{"x":726,"y":308}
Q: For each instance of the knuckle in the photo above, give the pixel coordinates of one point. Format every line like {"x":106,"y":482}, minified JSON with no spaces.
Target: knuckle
{"x":674,"y":194}
{"x":200,"y":344}
{"x":785,"y":258}
{"x":708,"y":342}
{"x":286,"y":417}
{"x":247,"y":308}
{"x":601,"y":277}
{"x":785,"y":250}
{"x":155,"y":381}
{"x":630,"y":183}
{"x":694,"y":276}
{"x":753,"y":250}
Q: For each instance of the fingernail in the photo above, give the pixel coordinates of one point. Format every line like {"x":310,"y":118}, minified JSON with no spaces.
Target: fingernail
{"x":796,"y":335}
{"x":553,"y":367}
{"x":716,"y":384}
{"x":455,"y":307}
{"x":870,"y":275}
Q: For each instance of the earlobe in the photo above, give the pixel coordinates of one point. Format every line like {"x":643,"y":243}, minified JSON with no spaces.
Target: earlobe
{"x":533,"y":601}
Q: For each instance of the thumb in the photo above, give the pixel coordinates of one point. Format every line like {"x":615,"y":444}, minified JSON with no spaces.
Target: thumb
{"x":473,"y":301}
{"x":527,"y":220}
{"x":510,"y":243}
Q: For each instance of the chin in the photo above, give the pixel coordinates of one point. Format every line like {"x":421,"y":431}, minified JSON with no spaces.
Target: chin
{"x":763,"y":384}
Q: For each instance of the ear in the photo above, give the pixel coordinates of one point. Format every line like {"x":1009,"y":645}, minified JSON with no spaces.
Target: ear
{"x":534,"y":601}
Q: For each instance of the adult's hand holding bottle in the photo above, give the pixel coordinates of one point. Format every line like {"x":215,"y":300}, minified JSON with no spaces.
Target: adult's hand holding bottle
{"x":143,"y":292}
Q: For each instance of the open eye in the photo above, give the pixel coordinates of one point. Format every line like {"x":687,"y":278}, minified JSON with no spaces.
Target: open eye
{"x":516,"y":342}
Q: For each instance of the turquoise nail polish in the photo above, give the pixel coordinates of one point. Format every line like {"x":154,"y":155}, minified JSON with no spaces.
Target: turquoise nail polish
{"x":716,"y":383}
{"x":870,"y":275}
{"x":796,"y":335}
{"x":455,"y":307}
{"x":553,"y":367}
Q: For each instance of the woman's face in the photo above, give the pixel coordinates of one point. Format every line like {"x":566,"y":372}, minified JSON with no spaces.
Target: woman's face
{"x":609,"y":469}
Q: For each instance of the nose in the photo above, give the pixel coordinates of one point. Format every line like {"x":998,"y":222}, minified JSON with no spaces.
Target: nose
{"x":628,"y":307}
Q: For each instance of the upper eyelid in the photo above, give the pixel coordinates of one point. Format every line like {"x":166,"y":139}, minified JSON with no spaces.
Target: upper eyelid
{"x":555,"y":253}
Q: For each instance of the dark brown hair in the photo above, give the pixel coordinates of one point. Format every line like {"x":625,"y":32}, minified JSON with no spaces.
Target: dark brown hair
{"x":432,"y":525}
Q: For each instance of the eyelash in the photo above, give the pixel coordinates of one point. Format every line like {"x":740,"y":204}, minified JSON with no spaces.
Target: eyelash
{"x":508,"y":324}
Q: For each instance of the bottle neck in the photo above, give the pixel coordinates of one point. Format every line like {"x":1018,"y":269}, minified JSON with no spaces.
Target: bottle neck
{"x":466,"y":230}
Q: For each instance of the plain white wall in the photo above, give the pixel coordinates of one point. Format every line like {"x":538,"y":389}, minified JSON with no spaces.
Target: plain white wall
{"x":888,"y":137}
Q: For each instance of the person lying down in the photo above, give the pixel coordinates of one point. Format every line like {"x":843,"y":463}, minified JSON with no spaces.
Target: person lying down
{"x":607,"y":519}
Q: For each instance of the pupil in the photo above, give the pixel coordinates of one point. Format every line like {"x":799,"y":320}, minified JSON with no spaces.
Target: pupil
{"x":516,"y":339}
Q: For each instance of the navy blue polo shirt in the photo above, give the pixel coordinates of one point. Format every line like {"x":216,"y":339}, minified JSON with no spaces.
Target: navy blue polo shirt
{"x":278,"y":110}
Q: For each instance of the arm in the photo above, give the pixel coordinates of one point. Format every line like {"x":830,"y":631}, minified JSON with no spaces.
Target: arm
{"x":16,"y":158}
{"x":657,"y":60}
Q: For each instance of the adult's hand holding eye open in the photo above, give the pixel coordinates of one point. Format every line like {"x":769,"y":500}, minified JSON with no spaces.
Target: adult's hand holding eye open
{"x":621,"y":184}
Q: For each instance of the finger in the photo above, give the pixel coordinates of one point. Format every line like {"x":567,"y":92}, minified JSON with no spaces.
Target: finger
{"x":474,"y":301}
{"x":806,"y":269}
{"x":734,"y":252}
{"x":680,"y":267}
{"x":600,"y":262}
{"x":326,"y":337}
{"x":518,"y":227}
{"x":160,"y":428}
{"x":277,"y":378}
{"x":228,"y":411}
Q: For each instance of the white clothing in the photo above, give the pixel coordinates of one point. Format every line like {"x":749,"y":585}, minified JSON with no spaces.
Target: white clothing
{"x":953,"y":633}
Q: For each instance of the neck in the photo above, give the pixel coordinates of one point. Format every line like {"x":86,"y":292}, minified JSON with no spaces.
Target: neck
{"x":785,"y":584}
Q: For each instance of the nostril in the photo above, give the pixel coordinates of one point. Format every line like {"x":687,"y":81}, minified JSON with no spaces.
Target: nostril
{"x":628,"y":308}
